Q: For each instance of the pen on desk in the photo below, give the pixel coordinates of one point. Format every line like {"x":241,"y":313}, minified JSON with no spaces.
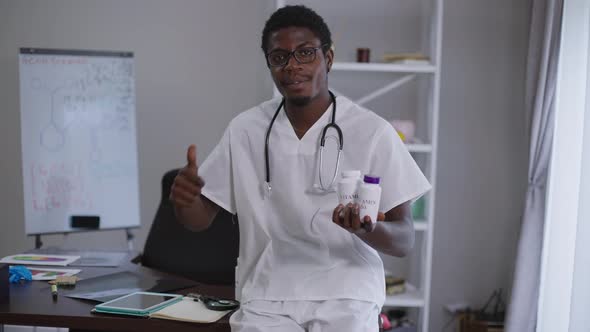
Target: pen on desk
{"x":54,"y":291}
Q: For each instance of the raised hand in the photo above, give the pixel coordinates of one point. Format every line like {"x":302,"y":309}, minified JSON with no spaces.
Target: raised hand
{"x":187,"y":183}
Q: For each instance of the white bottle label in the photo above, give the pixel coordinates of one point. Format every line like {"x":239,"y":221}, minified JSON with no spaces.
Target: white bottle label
{"x":347,"y":189}
{"x":347,"y":193}
{"x":368,"y":200}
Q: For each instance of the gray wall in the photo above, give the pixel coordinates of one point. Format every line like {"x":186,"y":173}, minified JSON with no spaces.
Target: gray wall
{"x":198,"y":64}
{"x":482,"y":152}
{"x":190,"y":83}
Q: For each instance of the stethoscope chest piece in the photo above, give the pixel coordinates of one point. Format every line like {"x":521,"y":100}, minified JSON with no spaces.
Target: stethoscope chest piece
{"x":214,"y":303}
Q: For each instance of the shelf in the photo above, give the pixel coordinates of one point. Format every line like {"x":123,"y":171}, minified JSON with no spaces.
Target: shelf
{"x":419,"y":147}
{"x":383,"y":67}
{"x":420,"y":225}
{"x":392,"y":88}
{"x":412,"y":297}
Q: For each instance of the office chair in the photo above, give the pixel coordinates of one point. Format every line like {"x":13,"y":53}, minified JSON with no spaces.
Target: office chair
{"x":209,"y":256}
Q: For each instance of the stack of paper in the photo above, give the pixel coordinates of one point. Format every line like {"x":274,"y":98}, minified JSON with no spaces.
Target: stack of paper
{"x":34,"y":259}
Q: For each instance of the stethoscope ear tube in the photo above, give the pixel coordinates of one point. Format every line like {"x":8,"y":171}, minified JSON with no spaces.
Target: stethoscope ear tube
{"x":329,"y":186}
{"x":325,"y":131}
{"x":267,"y":138}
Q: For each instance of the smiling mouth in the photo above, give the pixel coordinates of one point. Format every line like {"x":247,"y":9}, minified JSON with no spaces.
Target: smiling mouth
{"x":293,"y":83}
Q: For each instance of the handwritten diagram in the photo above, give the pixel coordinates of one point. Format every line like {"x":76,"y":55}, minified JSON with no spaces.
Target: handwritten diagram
{"x":78,"y":137}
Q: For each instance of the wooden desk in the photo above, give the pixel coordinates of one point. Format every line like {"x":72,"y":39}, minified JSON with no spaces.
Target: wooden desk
{"x":31,"y":304}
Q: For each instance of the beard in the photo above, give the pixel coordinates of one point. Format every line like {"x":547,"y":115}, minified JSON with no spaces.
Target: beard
{"x":299,"y":101}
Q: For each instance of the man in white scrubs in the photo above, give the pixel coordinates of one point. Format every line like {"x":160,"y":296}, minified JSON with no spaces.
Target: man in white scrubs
{"x":304,"y":264}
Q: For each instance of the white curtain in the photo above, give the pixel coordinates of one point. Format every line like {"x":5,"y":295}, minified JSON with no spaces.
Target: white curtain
{"x":543,"y":50}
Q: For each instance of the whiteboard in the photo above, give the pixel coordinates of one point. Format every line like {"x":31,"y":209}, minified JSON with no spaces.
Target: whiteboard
{"x":78,"y":139}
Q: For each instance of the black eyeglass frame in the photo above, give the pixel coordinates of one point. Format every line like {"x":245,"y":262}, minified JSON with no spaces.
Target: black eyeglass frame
{"x":292,"y":54}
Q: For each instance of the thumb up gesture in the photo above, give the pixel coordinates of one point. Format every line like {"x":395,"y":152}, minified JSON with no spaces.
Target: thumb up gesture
{"x":187,"y":183}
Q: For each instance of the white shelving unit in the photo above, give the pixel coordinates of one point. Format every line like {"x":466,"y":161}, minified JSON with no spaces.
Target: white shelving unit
{"x":416,"y":148}
{"x":383,"y":67}
{"x":400,"y":91}
{"x":411,"y":298}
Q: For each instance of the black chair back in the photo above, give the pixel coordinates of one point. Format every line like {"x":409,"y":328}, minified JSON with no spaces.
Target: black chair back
{"x":209,"y":256}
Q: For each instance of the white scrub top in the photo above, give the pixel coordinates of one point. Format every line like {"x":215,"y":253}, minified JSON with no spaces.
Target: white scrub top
{"x":289,"y":247}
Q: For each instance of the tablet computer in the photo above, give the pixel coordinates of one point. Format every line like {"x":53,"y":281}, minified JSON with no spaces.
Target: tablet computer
{"x":138,"y":303}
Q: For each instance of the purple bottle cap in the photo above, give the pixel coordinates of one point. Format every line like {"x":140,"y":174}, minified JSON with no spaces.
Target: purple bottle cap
{"x":371,"y":179}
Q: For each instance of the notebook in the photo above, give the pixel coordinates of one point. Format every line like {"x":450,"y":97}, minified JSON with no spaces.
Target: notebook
{"x":189,"y":310}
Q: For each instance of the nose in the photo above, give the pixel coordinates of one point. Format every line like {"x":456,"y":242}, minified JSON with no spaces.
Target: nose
{"x":292,"y":63}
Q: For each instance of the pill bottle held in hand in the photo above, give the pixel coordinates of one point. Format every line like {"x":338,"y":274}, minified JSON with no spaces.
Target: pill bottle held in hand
{"x":348,"y":187}
{"x":369,"y":195}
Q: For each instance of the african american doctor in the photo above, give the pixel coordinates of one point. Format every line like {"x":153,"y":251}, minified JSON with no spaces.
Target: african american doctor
{"x":305,"y":263}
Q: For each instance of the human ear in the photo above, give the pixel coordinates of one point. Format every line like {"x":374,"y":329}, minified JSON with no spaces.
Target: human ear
{"x":329,"y":58}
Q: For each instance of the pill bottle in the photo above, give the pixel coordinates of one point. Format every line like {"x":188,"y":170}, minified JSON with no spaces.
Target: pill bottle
{"x":369,"y":196}
{"x":348,"y":187}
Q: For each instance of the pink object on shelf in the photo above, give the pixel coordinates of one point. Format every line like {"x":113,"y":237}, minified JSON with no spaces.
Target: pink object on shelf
{"x":385,"y":323}
{"x":406,"y":127}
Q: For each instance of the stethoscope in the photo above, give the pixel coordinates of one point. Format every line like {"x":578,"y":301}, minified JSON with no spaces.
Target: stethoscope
{"x":322,"y":188}
{"x":214,"y":303}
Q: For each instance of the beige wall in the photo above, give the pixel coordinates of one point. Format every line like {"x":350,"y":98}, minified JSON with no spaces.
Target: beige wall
{"x":198,"y":64}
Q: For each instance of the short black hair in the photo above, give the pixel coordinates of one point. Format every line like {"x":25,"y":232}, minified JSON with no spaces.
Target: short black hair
{"x":297,"y":16}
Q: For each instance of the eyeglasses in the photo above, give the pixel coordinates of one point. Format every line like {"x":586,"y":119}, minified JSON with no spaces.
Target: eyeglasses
{"x":279,"y":58}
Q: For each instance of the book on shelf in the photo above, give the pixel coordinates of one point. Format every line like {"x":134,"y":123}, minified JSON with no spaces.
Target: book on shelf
{"x":411,"y":62}
{"x":394,"y":285}
{"x":406,"y":58}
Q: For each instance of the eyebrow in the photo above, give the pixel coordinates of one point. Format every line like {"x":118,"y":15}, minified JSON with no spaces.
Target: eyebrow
{"x":296,"y":47}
